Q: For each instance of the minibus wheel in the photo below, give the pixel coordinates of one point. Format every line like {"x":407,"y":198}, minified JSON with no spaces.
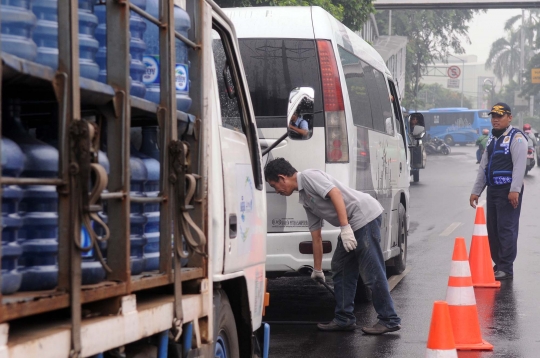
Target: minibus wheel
{"x":400,"y":261}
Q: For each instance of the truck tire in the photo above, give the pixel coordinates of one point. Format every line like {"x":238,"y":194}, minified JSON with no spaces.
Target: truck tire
{"x":449,"y":140}
{"x":400,"y":261}
{"x":225,"y":335}
{"x":363,"y":293}
{"x":416,"y":176}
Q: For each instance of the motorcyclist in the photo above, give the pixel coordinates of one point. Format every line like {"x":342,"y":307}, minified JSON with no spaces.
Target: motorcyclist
{"x":481,"y":143}
{"x":528,"y":131}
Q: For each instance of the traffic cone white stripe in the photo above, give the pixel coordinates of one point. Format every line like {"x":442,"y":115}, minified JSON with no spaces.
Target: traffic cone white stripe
{"x":480,"y":230}
{"x":460,"y":269}
{"x":460,"y":296}
{"x":440,"y":353}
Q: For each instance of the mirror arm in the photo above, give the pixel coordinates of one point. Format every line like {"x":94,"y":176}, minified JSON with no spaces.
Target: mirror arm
{"x":275,"y":144}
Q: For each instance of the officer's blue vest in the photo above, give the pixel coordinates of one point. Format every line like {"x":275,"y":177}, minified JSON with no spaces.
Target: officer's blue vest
{"x":499,"y":168}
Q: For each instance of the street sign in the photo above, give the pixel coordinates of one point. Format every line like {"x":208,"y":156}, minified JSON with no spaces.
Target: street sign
{"x":535,"y":75}
{"x":453,"y":72}
{"x":452,"y":83}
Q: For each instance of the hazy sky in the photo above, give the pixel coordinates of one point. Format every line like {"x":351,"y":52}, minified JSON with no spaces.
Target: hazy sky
{"x":485,"y":28}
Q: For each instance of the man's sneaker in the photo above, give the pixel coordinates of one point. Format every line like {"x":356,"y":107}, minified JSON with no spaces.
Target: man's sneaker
{"x":379,"y":328}
{"x":501,"y":275}
{"x":333,"y":326}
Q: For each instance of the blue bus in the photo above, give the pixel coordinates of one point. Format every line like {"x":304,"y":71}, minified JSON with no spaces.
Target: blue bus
{"x":456,"y":125}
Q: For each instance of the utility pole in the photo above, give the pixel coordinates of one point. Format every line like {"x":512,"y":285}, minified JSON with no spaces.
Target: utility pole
{"x":389,"y":22}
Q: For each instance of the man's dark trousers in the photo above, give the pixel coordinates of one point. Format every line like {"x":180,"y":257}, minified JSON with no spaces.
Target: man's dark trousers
{"x":502,"y":227}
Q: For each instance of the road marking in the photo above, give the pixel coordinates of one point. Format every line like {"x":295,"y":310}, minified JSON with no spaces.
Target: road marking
{"x":450,"y":229}
{"x":394,"y":280}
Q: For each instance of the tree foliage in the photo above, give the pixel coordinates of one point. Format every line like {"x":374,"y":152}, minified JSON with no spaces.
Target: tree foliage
{"x":505,"y":53}
{"x":353,"y":13}
{"x":432,"y":35}
{"x":436,"y":96}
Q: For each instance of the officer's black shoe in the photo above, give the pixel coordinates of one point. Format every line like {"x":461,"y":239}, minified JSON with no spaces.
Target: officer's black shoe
{"x":333,"y":326}
{"x":379,"y":328}
{"x":501,"y":275}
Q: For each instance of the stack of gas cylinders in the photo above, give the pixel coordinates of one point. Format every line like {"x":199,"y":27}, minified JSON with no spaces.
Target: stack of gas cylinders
{"x":29,"y":30}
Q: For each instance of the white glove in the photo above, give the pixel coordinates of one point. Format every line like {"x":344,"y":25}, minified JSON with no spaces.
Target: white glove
{"x":347,"y":237}
{"x":317,"y":276}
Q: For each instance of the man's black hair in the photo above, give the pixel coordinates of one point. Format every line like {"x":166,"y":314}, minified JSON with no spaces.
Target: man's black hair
{"x":278,"y":166}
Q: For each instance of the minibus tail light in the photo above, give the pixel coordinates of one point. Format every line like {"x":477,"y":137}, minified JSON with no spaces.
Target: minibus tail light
{"x":337,"y":145}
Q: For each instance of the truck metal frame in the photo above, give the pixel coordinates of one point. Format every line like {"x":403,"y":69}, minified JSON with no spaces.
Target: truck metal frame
{"x":111,"y":314}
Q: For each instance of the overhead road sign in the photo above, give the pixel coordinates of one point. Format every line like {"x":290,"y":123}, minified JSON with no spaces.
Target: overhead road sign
{"x":535,"y":75}
{"x":454,"y":4}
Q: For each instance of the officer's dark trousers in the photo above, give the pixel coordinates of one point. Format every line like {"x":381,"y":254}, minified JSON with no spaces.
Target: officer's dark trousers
{"x":502,"y":227}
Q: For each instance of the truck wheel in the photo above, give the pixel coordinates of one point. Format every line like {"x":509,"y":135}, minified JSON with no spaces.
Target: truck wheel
{"x":225,"y":334}
{"x":416,"y":176}
{"x":363,"y":293}
{"x":449,"y":140}
{"x":400,"y":261}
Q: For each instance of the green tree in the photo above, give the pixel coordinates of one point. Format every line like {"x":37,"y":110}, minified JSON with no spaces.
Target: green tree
{"x":504,"y":56}
{"x":353,"y":13}
{"x":432,"y":35}
{"x":505,"y":53}
{"x":436,"y":96}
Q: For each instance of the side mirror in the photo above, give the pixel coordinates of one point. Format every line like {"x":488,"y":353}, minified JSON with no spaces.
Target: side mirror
{"x":300,"y":113}
{"x":418,"y":132}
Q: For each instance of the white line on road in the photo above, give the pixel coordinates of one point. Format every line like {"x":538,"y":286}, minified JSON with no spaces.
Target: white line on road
{"x":394,"y":280}
{"x":450,"y":229}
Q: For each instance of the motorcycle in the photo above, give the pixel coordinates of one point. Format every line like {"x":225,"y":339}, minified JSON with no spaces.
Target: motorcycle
{"x":436,"y":145}
{"x":530,"y":160}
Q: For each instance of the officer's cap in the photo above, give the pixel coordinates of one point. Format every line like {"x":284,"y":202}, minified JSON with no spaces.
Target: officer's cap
{"x":501,"y":109}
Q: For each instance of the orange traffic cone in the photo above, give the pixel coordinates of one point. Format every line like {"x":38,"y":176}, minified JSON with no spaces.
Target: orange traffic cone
{"x":462,"y":304}
{"x":480,"y":256}
{"x":440,"y":342}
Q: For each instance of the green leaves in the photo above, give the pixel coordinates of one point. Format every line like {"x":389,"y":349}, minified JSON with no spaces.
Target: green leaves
{"x":432,"y":35}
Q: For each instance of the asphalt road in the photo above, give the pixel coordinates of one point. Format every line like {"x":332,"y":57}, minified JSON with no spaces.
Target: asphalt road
{"x":439,"y":212}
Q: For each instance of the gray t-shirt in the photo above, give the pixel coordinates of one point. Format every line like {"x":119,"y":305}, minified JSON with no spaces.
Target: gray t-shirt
{"x":314,"y":185}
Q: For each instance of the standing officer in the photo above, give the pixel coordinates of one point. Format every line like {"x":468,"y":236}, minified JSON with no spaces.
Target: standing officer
{"x":502,"y":169}
{"x":358,"y":250}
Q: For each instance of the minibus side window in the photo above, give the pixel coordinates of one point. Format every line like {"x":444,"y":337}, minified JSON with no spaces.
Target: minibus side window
{"x":357,"y":89}
{"x":387,"y":121}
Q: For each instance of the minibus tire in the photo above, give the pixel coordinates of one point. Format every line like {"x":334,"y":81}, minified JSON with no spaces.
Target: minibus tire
{"x":225,"y":333}
{"x":400,"y":261}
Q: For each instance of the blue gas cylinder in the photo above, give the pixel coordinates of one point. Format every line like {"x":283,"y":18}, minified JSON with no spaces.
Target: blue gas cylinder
{"x":151,"y":210}
{"x":18,"y":22}
{"x":182,"y":24}
{"x":38,"y":208}
{"x":46,"y":36}
{"x":12,"y":166}
{"x":137,"y":47}
{"x":139,"y":176}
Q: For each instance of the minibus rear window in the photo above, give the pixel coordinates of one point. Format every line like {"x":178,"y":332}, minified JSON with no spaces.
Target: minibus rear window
{"x":273,"y":68}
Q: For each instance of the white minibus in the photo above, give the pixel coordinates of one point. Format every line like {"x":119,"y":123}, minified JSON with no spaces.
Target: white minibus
{"x":356,"y":128}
